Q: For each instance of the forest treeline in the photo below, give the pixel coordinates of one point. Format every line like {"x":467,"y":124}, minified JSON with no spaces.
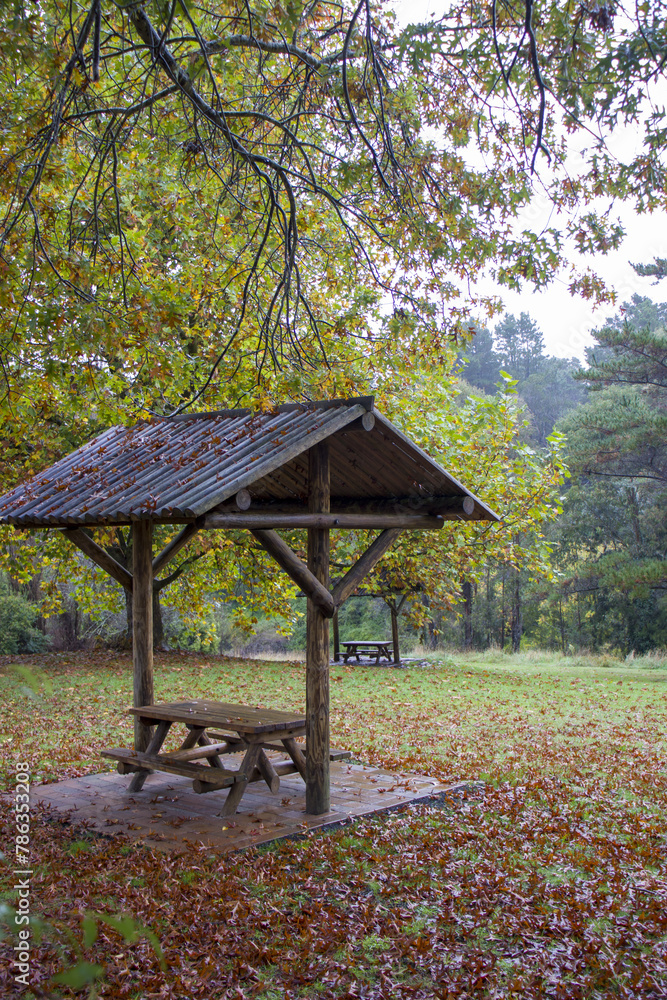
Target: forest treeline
{"x":609,"y":588}
{"x":164,"y":245}
{"x":591,"y":576}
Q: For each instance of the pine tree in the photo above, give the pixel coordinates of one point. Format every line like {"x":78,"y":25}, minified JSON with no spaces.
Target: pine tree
{"x":520,"y":345}
{"x":481,"y":362}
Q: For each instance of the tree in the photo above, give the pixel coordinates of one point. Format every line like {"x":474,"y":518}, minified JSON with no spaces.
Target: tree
{"x":632,"y":348}
{"x":550,"y":393}
{"x":546,"y":384}
{"x":198,"y":197}
{"x":481,"y":361}
{"x":614,"y":523}
{"x":228,"y":203}
{"x":479,"y":439}
{"x":519,"y":344}
{"x":623,"y":426}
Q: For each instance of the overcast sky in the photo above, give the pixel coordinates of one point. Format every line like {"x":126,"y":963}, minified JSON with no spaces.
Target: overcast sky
{"x":567,"y":321}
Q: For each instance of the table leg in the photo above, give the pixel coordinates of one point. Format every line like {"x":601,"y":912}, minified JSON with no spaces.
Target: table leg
{"x":238,"y":788}
{"x":268,"y":772}
{"x":295,"y":752}
{"x":154,"y":746}
{"x":205,"y":741}
{"x":194,"y":735}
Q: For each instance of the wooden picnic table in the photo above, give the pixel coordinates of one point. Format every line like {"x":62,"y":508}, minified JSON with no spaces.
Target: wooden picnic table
{"x":215,"y":729}
{"x":375,"y":648}
{"x":243,"y":728}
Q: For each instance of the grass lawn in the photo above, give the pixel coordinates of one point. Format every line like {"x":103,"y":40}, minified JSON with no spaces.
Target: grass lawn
{"x":553,"y":883}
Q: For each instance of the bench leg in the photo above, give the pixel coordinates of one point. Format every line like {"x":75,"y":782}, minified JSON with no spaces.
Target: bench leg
{"x":238,"y":788}
{"x":154,"y":746}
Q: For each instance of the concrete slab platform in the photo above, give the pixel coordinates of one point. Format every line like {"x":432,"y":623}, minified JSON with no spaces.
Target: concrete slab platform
{"x":168,"y":815}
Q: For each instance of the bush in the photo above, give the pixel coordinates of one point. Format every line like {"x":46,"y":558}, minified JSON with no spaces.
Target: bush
{"x":17,"y":626}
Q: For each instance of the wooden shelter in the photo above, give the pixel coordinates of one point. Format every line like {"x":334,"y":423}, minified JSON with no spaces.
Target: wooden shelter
{"x":334,"y":464}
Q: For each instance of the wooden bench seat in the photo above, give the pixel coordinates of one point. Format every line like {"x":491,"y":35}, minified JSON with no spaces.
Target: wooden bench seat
{"x":334,"y":754}
{"x":214,"y":777}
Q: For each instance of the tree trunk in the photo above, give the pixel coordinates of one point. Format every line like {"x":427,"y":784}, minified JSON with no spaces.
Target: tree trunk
{"x":489,"y":610}
{"x":467,"y":615}
{"x":631,"y":494}
{"x":562,"y":625}
{"x":394,"y":632}
{"x":517,"y":615}
{"x":502,"y":617}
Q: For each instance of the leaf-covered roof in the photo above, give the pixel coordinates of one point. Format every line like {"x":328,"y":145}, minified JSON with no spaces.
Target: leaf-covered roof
{"x":175,"y":469}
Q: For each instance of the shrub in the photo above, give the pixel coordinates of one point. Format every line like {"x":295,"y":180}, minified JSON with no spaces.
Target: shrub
{"x":17,"y":626}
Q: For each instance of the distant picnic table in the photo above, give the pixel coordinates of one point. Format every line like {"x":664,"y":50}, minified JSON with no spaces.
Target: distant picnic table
{"x":376,"y":649}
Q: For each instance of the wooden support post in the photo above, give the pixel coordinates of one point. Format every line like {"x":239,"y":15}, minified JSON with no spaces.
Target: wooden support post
{"x":394,"y":632}
{"x":142,"y":616}
{"x":317,"y":641}
{"x":336,"y":638}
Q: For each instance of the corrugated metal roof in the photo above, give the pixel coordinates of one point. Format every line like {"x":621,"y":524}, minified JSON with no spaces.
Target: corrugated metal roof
{"x":178,"y":468}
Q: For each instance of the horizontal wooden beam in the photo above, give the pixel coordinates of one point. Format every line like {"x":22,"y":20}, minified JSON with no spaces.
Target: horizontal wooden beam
{"x":260,"y":520}
{"x":452,"y":506}
{"x":99,"y":556}
{"x":174,"y":546}
{"x":296,"y":569}
{"x":364,"y":565}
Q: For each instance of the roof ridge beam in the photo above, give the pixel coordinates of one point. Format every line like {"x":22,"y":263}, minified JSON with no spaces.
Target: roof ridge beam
{"x":316,"y":404}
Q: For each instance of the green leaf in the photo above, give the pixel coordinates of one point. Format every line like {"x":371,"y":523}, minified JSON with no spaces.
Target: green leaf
{"x":89,"y":927}
{"x":80,"y":975}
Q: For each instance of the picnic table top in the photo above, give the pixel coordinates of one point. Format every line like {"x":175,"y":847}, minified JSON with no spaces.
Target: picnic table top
{"x":238,"y":718}
{"x":367,"y":642}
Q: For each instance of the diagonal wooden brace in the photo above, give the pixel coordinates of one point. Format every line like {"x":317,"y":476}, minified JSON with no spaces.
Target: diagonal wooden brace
{"x":174,"y":546}
{"x":99,"y":556}
{"x":296,"y":569}
{"x":364,"y":565}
